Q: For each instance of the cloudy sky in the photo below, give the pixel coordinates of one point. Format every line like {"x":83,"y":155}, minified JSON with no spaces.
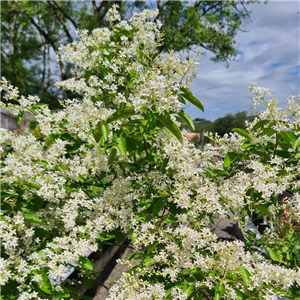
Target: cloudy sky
{"x":269,"y":55}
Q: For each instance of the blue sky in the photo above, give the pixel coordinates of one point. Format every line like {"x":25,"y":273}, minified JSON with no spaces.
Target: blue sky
{"x":268,"y":54}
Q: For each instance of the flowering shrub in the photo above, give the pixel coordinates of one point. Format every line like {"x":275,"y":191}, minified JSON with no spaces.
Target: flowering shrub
{"x":114,"y":165}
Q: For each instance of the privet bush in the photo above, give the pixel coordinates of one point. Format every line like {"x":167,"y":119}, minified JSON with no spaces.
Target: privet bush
{"x":113,"y":164}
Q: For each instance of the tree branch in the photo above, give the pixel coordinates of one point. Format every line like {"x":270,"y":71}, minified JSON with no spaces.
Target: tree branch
{"x":65,"y":14}
{"x":51,"y":42}
{"x":61,"y":21}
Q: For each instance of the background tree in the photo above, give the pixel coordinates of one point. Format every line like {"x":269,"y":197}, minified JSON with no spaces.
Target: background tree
{"x":31,"y":32}
{"x":221,"y":125}
{"x":225,"y":124}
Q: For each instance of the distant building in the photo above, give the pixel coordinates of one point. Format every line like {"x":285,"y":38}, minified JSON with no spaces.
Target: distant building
{"x":9,"y":122}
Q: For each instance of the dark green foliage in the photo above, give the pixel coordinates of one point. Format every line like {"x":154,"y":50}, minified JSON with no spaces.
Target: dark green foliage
{"x":228,"y":122}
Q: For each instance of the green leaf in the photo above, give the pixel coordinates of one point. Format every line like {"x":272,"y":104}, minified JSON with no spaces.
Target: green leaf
{"x":141,"y":217}
{"x":64,"y":294}
{"x":105,"y":236}
{"x":120,"y":141}
{"x":188,"y":288}
{"x":288,"y":135}
{"x":295,"y":290}
{"x":123,"y":31}
{"x":147,"y":262}
{"x":8,"y":194}
{"x":296,"y":143}
{"x":4,"y":185}
{"x":125,"y":113}
{"x":98,"y":132}
{"x":105,"y":131}
{"x":219,"y":292}
{"x":137,"y":255}
{"x":5,"y":206}
{"x":81,"y":178}
{"x":38,"y":105}
{"x":158,"y":206}
{"x":164,"y":164}
{"x":45,"y":284}
{"x":227,"y":162}
{"x":148,"y":250}
{"x":20,"y":117}
{"x":168,"y":292}
{"x":134,"y":74}
{"x":263,"y":209}
{"x":245,"y":276}
{"x":242,"y":133}
{"x":282,"y":172}
{"x":187,"y":119}
{"x":284,"y":154}
{"x":273,"y":255}
{"x":240,"y":294}
{"x":245,"y":145}
{"x":38,"y":202}
{"x":260,"y":124}
{"x":89,"y":283}
{"x":42,"y":254}
{"x":181,"y":99}
{"x":34,"y":219}
{"x":209,"y":171}
{"x":101,"y":131}
{"x":229,"y":158}
{"x":268,"y":131}
{"x":167,"y":122}
{"x":85,"y":263}
{"x":193,"y":271}
{"x":188,"y":95}
{"x":112,"y":156}
{"x":119,"y":238}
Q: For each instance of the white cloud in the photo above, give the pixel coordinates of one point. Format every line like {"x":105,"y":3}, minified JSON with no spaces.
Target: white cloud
{"x":268,"y":53}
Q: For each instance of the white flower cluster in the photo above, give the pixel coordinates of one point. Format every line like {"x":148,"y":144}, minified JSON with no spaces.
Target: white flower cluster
{"x":154,"y":78}
{"x":65,"y":187}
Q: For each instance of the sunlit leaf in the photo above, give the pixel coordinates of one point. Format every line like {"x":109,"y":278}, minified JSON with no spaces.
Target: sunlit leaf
{"x":120,"y":140}
{"x":34,"y":219}
{"x":20,"y":117}
{"x":245,"y":276}
{"x":188,"y":95}
{"x":167,"y":122}
{"x":219,"y":292}
{"x":187,"y":119}
{"x":241,"y":132}
{"x":85,"y":263}
{"x":296,"y":143}
{"x":126,"y":113}
{"x":273,"y":255}
{"x":45,"y":284}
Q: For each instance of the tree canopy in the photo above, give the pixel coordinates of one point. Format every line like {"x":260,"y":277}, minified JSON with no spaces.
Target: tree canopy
{"x":32,"y":31}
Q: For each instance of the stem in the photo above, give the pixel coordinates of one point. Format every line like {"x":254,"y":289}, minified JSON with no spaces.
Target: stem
{"x":276,"y":145}
{"x":42,"y":88}
{"x":99,"y":180}
{"x":145,"y":147}
{"x":161,"y":218}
